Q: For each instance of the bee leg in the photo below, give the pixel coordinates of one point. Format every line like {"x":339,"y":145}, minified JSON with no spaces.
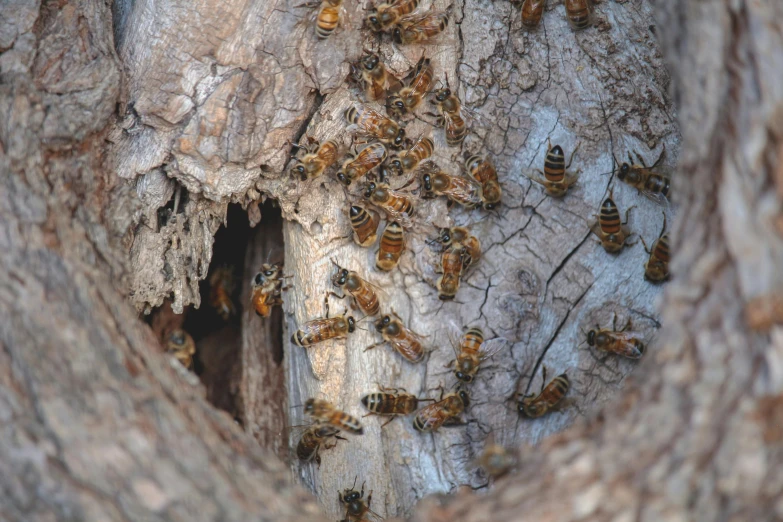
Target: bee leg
{"x":645,"y":246}
{"x":627,"y":325}
{"x":614,"y":321}
{"x":374,"y":346}
{"x":660,"y":157}
{"x":627,"y":213}
{"x":543,"y":379}
{"x":573,"y":154}
{"x":382,"y":426}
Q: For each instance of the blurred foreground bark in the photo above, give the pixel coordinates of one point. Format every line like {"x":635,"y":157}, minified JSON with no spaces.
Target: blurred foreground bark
{"x":98,"y":426}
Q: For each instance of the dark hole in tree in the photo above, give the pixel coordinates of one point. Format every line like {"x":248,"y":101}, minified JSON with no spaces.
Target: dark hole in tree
{"x":245,"y":349}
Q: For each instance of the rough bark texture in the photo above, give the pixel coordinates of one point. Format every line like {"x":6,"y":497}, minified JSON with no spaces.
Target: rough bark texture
{"x":543,"y":280}
{"x":97,"y":425}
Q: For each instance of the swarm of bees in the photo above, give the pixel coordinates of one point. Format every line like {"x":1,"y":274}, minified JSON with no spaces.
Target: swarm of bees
{"x":385,"y":173}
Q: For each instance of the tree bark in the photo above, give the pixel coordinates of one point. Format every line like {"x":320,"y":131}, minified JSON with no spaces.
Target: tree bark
{"x":100,"y":426}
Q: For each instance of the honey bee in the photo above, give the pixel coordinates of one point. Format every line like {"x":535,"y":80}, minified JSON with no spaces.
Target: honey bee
{"x":362,"y":292}
{"x":459,"y":236}
{"x":497,"y":460}
{"x":318,"y":157}
{"x":221,"y":287}
{"x":411,"y":96}
{"x":656,"y":269}
{"x":397,"y":206}
{"x":446,"y":410}
{"x":532,"y":10}
{"x":180,"y":344}
{"x":359,"y":164}
{"x":390,"y":402}
{"x":377,"y":80}
{"x":325,"y":412}
{"x":266,"y":289}
{"x":452,"y":261}
{"x":386,"y":14}
{"x":364,"y":224}
{"x":418,"y":28}
{"x":611,"y":231}
{"x":315,"y":438}
{"x":535,"y":406}
{"x":391,"y":247}
{"x":578,"y":13}
{"x":654,"y":186}
{"x":624,"y":343}
{"x":328,"y":17}
{"x":408,"y":160}
{"x":320,"y":330}
{"x":557,"y":180}
{"x":459,"y":189}
{"x":355,"y":508}
{"x":484,"y":172}
{"x":450,"y":117}
{"x":374,"y":124}
{"x":473,"y":349}
{"x":406,"y":342}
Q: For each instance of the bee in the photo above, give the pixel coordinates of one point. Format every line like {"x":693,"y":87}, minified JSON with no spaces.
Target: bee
{"x":473,"y":349}
{"x":355,"y":507}
{"x":180,"y":344}
{"x":484,"y":172}
{"x":611,"y":231}
{"x":326,"y":413}
{"x":315,"y":438}
{"x":318,"y":157}
{"x":386,"y":14}
{"x":532,"y":10}
{"x":497,"y":460}
{"x":557,"y":180}
{"x":221,"y":287}
{"x":450,"y":117}
{"x":362,"y":292}
{"x":396,"y":205}
{"x":377,"y":80}
{"x":359,"y":164}
{"x":446,"y":410}
{"x":460,"y":236}
{"x":328,"y":17}
{"x":656,"y":269}
{"x":624,"y":343}
{"x":390,"y":402}
{"x":419,"y":28}
{"x":578,"y":13}
{"x":374,"y":124}
{"x":406,"y":342}
{"x":320,"y":330}
{"x":411,"y":96}
{"x":266,"y":289}
{"x":408,"y":160}
{"x":535,"y":406}
{"x":452,"y":261}
{"x":656,"y":187}
{"x":459,"y":189}
{"x":391,"y":247}
{"x":364,"y":224}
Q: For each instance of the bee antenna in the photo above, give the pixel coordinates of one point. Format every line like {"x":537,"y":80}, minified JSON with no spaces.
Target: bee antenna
{"x":297,"y":406}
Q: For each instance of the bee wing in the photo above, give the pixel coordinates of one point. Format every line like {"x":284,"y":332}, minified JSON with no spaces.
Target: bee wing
{"x":404,"y":349}
{"x":657,"y":197}
{"x":491,"y":347}
{"x":628,"y":336}
{"x":423,"y":18}
{"x":392,"y":84}
{"x":532,"y":175}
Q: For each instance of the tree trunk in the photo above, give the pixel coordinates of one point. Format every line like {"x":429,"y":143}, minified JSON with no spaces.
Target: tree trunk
{"x":100,"y":426}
